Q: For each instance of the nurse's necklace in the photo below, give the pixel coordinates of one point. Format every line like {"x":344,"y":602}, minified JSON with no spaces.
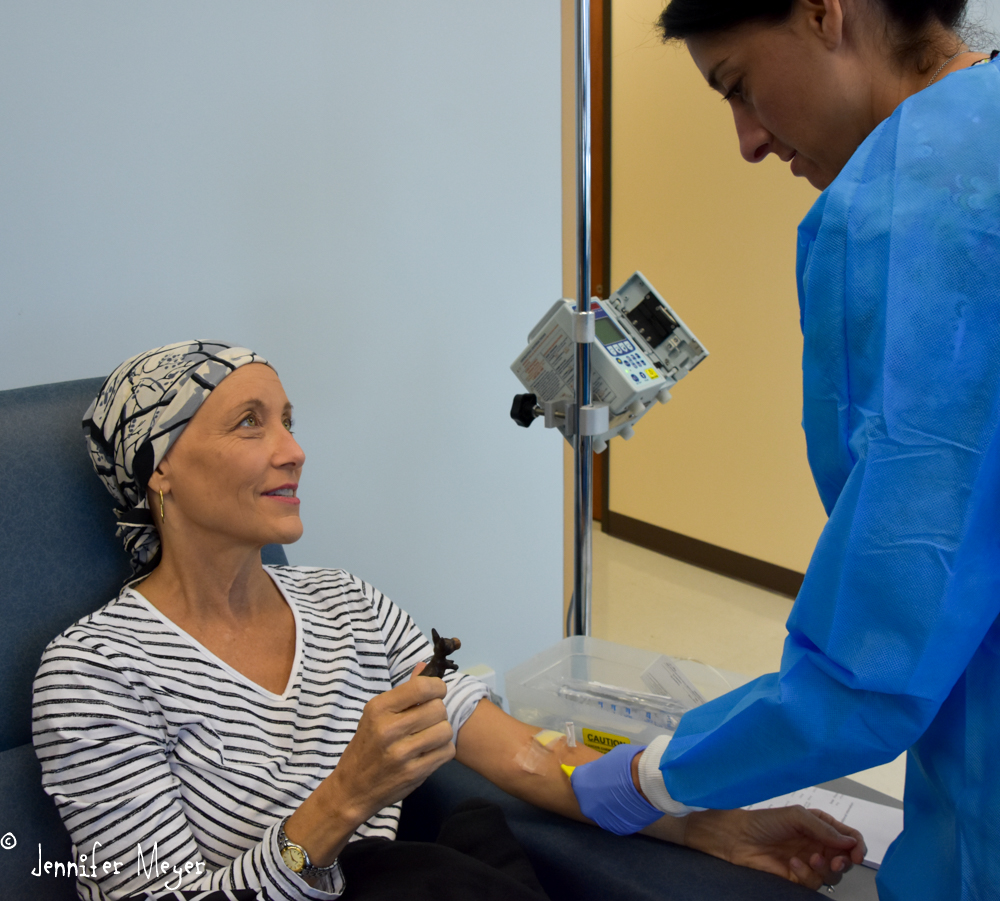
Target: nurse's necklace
{"x":950,"y":59}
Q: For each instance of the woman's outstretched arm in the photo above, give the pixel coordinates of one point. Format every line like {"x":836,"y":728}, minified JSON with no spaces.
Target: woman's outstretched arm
{"x":791,"y":842}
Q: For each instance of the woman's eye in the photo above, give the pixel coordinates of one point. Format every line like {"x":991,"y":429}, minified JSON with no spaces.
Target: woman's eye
{"x":250,"y":420}
{"x":735,"y":92}
{"x":289,"y":424}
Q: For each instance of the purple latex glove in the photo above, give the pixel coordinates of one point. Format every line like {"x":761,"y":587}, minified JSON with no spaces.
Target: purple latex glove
{"x":607,"y":795}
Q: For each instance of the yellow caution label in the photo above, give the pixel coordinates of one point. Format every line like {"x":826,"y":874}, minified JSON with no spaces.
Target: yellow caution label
{"x":603,"y":741}
{"x":652,"y":373}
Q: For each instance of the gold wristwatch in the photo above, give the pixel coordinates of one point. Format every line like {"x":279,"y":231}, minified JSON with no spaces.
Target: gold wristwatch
{"x":296,"y":857}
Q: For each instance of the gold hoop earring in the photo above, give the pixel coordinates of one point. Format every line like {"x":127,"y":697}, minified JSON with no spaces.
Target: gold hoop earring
{"x":163,"y":517}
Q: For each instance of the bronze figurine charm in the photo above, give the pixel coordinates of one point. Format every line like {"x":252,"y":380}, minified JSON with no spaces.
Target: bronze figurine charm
{"x":440,"y":664}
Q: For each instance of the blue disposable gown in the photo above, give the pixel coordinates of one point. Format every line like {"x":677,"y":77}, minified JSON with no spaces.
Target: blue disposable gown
{"x":894,"y":640}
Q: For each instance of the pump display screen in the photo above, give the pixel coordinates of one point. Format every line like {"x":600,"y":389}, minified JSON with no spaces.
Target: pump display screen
{"x":607,"y":332}
{"x":611,"y":337}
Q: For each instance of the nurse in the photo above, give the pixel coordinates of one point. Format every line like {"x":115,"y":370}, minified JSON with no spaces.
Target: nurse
{"x":894,"y":640}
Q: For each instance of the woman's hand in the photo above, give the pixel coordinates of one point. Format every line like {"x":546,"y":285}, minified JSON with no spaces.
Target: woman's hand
{"x":402,"y":737}
{"x":804,"y":846}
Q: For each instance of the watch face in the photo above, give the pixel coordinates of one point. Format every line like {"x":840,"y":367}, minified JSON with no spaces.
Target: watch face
{"x":294,"y":858}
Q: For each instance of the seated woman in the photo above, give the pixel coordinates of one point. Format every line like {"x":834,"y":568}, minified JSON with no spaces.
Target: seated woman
{"x":226,"y":725}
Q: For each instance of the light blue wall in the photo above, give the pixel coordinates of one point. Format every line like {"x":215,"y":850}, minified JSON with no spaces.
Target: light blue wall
{"x":986,"y":13}
{"x":366,"y":193}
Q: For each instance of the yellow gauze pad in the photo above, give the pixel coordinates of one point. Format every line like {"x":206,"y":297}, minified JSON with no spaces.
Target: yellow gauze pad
{"x":547,"y":737}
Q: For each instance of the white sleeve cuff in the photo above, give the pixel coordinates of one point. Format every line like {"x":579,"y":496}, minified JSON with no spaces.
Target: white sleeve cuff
{"x":464,"y":694}
{"x":651,"y":780}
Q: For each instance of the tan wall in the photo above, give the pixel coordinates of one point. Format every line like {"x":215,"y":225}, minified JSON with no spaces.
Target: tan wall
{"x":725,"y":460}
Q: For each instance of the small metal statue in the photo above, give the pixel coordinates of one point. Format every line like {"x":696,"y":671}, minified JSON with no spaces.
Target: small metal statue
{"x":440,"y":664}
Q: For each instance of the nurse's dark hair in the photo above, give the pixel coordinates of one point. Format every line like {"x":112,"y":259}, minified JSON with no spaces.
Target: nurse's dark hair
{"x":685,"y":18}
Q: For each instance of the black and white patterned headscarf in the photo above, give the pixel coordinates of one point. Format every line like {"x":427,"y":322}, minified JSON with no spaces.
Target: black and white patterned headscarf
{"x":142,"y":408}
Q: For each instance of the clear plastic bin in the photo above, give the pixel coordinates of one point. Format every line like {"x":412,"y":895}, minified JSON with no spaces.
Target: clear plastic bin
{"x":613,"y":694}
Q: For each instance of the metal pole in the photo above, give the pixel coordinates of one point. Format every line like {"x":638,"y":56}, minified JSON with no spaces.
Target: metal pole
{"x":583,"y":456}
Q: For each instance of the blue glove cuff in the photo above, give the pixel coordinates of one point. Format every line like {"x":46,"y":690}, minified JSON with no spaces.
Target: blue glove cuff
{"x":608,"y":796}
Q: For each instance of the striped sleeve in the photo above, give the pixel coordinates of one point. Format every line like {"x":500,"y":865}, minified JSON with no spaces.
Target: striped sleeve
{"x":406,"y":646}
{"x":104,"y":762}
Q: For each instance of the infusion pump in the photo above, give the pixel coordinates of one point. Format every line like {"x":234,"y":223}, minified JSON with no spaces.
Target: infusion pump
{"x":640,"y":350}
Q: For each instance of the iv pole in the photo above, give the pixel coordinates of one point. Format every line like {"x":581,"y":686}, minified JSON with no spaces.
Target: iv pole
{"x":583,"y":454}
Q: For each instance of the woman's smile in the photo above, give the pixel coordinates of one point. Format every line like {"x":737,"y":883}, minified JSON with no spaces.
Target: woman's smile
{"x":285,"y":493}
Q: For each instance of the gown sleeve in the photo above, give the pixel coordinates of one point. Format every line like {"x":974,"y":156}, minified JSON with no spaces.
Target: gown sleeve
{"x":900,"y":288}
{"x":104,"y":762}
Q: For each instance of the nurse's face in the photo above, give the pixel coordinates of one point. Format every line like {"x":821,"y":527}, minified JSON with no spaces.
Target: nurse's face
{"x":794,"y":89}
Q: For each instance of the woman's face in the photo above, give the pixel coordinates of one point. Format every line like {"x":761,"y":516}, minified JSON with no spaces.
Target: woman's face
{"x":234,"y":472}
{"x":795,"y":89}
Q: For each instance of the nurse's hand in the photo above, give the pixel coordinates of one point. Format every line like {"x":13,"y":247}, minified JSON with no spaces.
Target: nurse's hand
{"x":606,"y":792}
{"x":805,"y":846}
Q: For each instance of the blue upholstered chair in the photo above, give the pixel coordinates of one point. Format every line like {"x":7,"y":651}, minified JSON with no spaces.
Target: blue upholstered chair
{"x":61,"y":559}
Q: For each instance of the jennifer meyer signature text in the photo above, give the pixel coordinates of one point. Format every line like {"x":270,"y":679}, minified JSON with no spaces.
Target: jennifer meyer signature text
{"x":149,"y":866}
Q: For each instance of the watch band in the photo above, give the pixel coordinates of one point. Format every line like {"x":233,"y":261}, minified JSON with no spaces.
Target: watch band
{"x":296,"y":858}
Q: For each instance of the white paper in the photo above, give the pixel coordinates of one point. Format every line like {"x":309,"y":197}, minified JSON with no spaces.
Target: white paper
{"x":663,"y":677}
{"x":878,"y":823}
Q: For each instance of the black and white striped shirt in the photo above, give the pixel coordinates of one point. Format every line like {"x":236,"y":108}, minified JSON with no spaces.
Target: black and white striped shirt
{"x":154,"y":748}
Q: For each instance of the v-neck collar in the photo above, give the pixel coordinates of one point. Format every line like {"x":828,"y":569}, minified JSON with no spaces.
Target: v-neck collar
{"x":235,"y":673}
